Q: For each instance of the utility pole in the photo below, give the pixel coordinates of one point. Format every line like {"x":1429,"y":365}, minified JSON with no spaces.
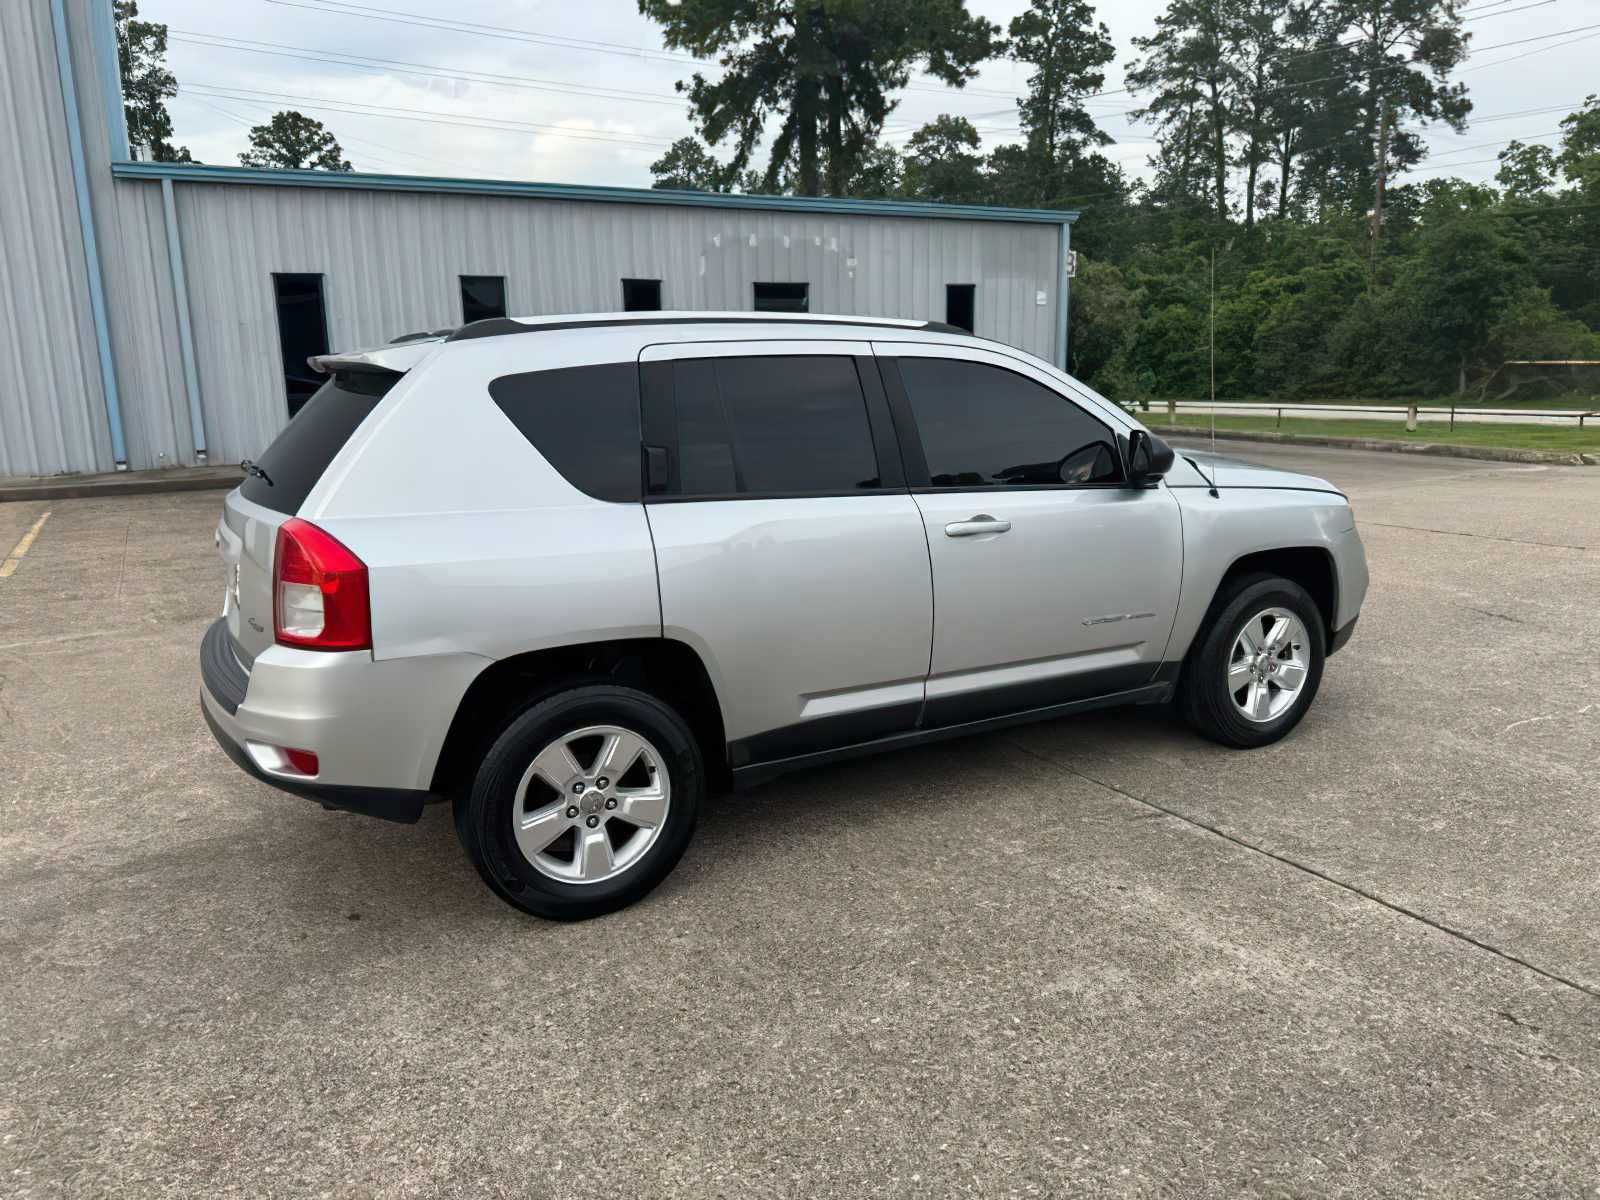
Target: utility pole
{"x":1377,"y":199}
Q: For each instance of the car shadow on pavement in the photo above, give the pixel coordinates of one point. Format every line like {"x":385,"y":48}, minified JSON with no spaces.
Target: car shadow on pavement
{"x":319,"y":868}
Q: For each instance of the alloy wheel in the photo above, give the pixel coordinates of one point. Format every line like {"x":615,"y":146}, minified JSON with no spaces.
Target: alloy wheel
{"x":591,"y":804}
{"x":1268,"y":665}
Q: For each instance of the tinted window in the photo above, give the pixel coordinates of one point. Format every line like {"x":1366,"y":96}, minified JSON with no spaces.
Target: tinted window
{"x":783,"y":297}
{"x":584,"y":420}
{"x":302,"y":333}
{"x":770,"y":424}
{"x":482,"y":297}
{"x":959,"y":305}
{"x":301,"y":453}
{"x":641,"y":295}
{"x":984,"y":426}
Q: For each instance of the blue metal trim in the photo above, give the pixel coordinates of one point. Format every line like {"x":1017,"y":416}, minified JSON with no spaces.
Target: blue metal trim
{"x":180,"y":299}
{"x":103,"y":21}
{"x":91,"y":246}
{"x":200,"y":173}
{"x":1063,"y":293}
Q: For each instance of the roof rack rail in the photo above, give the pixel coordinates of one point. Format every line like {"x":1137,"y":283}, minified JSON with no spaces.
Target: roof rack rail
{"x":496,"y":326}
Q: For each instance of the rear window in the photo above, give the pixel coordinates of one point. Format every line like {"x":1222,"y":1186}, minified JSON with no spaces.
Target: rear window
{"x":584,"y":420}
{"x":301,"y":453}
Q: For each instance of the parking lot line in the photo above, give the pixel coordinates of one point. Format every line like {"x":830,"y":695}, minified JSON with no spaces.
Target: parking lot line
{"x":21,"y":548}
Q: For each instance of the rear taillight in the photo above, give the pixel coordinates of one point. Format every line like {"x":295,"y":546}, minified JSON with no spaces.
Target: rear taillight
{"x":319,"y":591}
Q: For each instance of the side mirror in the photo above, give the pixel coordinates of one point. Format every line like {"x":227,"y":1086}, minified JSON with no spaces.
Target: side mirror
{"x":1149,"y":458}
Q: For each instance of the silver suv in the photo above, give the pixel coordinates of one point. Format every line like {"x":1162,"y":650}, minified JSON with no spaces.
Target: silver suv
{"x":571,"y":573}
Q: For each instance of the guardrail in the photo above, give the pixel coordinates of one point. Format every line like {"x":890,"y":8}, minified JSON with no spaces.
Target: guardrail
{"x":1411,"y":413}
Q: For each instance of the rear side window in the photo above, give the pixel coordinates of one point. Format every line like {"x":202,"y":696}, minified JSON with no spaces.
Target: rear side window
{"x":584,"y":420}
{"x":301,"y":453}
{"x":771,"y":424}
{"x":984,"y":426}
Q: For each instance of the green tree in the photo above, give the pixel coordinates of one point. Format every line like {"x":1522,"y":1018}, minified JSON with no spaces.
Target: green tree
{"x":1259,"y":40}
{"x":878,"y":174}
{"x":1580,"y":146}
{"x":688,"y":166}
{"x":1400,"y":54}
{"x":147,"y":85}
{"x":1464,"y":277}
{"x":1068,"y":51}
{"x":824,"y":68}
{"x":1105,"y":321}
{"x":1310,"y":103}
{"x":941,"y":163}
{"x":292,"y":141}
{"x":1193,"y":86}
{"x":1526,"y":170}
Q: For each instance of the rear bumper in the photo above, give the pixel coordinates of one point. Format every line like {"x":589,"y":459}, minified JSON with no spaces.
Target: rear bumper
{"x":375,"y":725}
{"x":392,"y":804}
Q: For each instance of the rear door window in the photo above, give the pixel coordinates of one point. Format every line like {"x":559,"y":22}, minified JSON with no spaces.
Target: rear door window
{"x":301,"y":453}
{"x":584,"y":420}
{"x":767,"y":425}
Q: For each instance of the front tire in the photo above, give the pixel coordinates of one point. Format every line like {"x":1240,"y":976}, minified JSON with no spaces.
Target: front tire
{"x":1257,"y":664}
{"x":584,"y":802}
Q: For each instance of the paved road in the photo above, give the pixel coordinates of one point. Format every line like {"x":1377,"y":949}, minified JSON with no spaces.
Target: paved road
{"x":1096,"y":957}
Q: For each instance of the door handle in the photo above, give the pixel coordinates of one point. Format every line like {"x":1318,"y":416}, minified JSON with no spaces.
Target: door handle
{"x":972,"y":526}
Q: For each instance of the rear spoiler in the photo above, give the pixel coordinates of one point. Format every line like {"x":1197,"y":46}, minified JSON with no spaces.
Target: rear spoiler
{"x":397,"y":358}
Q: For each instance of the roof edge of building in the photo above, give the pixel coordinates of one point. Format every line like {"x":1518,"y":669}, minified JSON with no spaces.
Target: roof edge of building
{"x":362,"y":181}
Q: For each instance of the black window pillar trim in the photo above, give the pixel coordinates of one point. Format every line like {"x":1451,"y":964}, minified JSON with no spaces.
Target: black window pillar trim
{"x":905,"y":425}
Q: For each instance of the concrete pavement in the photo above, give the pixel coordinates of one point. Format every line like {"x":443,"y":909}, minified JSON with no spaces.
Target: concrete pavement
{"x":1096,"y":957}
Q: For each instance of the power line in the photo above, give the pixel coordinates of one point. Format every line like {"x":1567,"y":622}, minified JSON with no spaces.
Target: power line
{"x":464,"y":120}
{"x":375,"y":13}
{"x":1529,"y":53}
{"x":505,"y":32}
{"x":430,"y":161}
{"x":1322,"y":50}
{"x":361,"y":61}
{"x":1129,"y":113}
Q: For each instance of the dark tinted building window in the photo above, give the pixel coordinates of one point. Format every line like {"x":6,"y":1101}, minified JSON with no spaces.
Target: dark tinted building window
{"x":302,"y":332}
{"x":772,"y":424}
{"x":301,"y":453}
{"x":482,"y":297}
{"x":641,"y":295}
{"x":783,"y":297}
{"x":959,"y":303}
{"x":984,"y":426}
{"x":584,"y":420}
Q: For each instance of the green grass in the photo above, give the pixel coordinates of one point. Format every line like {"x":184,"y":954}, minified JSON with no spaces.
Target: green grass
{"x":1582,"y":402}
{"x":1510,"y":437}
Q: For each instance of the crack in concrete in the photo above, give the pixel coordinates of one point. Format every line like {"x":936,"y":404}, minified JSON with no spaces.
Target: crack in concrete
{"x":1353,"y":889}
{"x":1484,"y":612}
{"x":1577,"y":712}
{"x":1482,"y":537}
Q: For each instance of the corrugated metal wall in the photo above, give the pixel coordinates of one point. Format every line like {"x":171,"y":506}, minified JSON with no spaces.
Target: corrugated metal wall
{"x":52,"y":412}
{"x":138,"y":283}
{"x":390,"y":263}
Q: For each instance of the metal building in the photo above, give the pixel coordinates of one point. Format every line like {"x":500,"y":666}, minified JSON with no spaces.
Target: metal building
{"x":159,"y":314}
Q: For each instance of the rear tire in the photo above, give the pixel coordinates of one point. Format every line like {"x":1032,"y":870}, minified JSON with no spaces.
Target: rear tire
{"x":1244,"y":699}
{"x":559,"y":829}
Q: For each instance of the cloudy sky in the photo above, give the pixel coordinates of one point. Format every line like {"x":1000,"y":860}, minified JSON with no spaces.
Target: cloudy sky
{"x":583,"y":92}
